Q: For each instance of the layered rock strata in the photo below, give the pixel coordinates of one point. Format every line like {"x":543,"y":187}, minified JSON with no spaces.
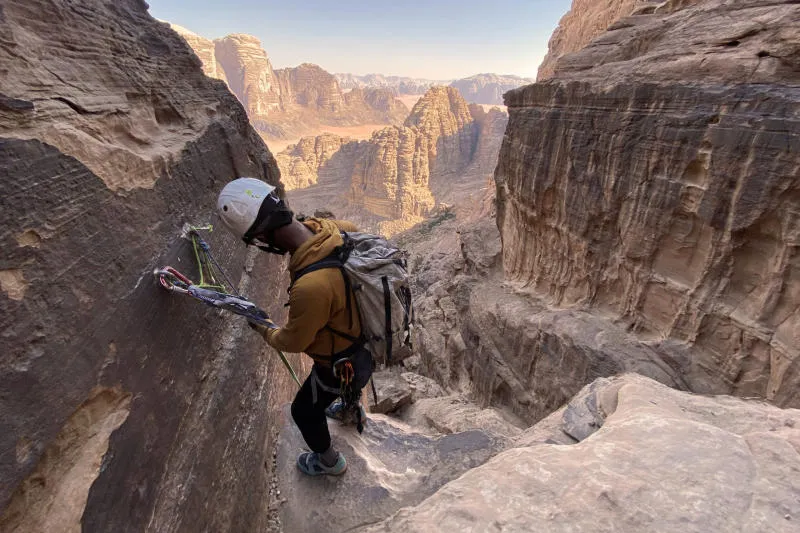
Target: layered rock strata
{"x":586,"y":20}
{"x":310,"y":86}
{"x":479,"y":336}
{"x":643,"y":457}
{"x":448,"y":134}
{"x":660,"y":187}
{"x":250,"y":76}
{"x":289,"y":102}
{"x":122,"y":407}
{"x":206,"y":51}
{"x":325,"y":157}
{"x":444,"y":153}
{"x":488,"y":88}
{"x":471,"y":193}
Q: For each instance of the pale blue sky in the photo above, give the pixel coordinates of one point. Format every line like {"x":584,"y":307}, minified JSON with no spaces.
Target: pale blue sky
{"x":435,"y":39}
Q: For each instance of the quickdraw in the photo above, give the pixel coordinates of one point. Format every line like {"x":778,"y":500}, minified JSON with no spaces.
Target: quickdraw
{"x":210,"y":290}
{"x":344,"y":370}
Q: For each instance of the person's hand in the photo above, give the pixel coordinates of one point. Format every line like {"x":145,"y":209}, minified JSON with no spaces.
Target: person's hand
{"x":261,"y":328}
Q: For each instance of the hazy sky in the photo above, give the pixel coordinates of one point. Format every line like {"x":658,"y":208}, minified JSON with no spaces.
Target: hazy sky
{"x":435,"y":39}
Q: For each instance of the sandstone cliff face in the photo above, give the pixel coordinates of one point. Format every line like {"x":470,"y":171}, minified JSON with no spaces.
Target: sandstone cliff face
{"x":310,"y":160}
{"x":289,"y":102}
{"x":586,"y":20}
{"x":448,"y":133}
{"x":488,"y":88}
{"x":250,"y":76}
{"x":122,"y":408}
{"x":660,"y":187}
{"x":381,"y":99}
{"x":445,"y":153}
{"x":617,"y":181}
{"x":391,"y":177}
{"x":310,"y":86}
{"x":480,"y":336}
{"x":205,"y":49}
{"x":760,"y":49}
{"x":642,"y":457}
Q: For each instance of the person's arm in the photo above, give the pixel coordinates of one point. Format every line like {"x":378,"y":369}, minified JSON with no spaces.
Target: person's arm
{"x":344,"y":225}
{"x":309,"y":311}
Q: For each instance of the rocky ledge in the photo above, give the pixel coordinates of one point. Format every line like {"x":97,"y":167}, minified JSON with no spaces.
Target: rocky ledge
{"x":625,"y":454}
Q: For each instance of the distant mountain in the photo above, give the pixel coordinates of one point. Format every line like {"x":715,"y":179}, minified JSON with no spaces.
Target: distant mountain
{"x":478,"y":89}
{"x":289,"y":102}
{"x":444,"y":153}
{"x":488,"y":88}
{"x":403,"y":85}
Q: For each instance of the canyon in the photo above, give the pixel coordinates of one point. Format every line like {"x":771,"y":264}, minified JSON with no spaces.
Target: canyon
{"x":606,"y":280}
{"x":644,"y":245}
{"x":291,"y":102}
{"x":444,"y":154}
{"x":678,"y":233}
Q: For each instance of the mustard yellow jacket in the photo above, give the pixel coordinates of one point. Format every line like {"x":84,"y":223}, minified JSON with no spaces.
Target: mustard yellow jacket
{"x":317,"y":299}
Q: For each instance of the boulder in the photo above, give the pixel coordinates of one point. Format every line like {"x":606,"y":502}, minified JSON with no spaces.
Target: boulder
{"x":390,"y":466}
{"x":398,"y":389}
{"x":662,"y":460}
{"x":455,"y":414}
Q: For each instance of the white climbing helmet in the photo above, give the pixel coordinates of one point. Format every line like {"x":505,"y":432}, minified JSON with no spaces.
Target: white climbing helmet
{"x":240,"y":201}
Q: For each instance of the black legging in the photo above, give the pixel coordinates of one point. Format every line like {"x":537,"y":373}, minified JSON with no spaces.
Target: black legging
{"x":310,"y":416}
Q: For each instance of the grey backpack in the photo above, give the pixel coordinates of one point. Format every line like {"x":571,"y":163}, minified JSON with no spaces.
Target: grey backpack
{"x":376,"y":272}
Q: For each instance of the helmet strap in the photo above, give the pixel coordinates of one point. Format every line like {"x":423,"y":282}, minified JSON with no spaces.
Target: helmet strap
{"x":270,"y":218}
{"x":271,"y":249}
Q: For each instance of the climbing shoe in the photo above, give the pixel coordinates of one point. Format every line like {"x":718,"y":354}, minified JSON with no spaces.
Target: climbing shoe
{"x":311,"y":464}
{"x":337,"y":411}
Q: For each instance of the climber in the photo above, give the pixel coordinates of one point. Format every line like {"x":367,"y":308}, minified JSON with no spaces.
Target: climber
{"x":322,"y":321}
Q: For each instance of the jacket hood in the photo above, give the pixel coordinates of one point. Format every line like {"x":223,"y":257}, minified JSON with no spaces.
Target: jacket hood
{"x":327,"y":237}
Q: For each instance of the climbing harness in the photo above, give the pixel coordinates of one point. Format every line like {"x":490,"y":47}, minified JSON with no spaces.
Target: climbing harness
{"x":343,"y":369}
{"x":348,"y":390}
{"x":210,"y":290}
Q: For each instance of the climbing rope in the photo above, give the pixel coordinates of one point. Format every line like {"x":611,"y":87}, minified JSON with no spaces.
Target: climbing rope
{"x":221,"y":295}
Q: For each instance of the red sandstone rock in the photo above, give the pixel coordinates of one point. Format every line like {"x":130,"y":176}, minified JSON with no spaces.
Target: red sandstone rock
{"x":289,"y":102}
{"x":123,"y":408}
{"x":654,"y":180}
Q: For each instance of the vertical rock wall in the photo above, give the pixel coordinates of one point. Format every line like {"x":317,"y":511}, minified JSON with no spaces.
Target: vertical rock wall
{"x":586,"y":20}
{"x":123,"y":408}
{"x":445,"y":153}
{"x":656,"y":178}
{"x":310,"y":86}
{"x":205,"y":50}
{"x":289,"y":102}
{"x":250,"y":75}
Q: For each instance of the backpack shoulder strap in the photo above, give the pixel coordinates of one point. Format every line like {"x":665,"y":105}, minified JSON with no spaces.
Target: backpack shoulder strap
{"x":332,"y":261}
